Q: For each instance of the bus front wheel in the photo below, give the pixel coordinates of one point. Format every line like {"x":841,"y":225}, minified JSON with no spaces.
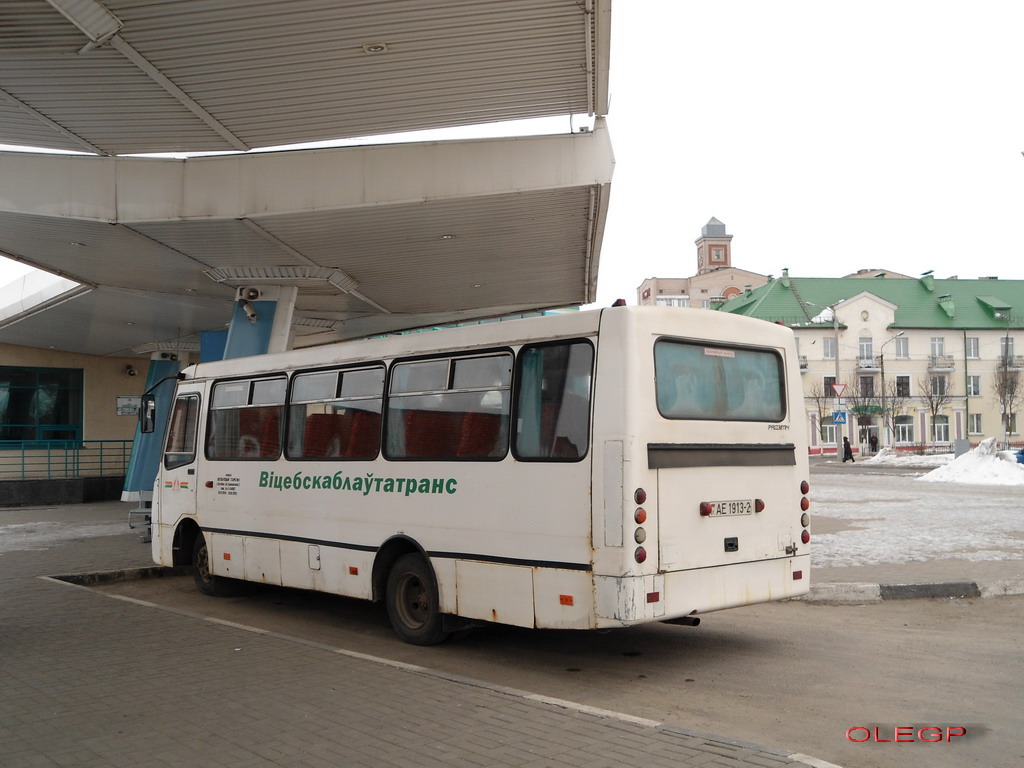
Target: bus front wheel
{"x":412,"y":601}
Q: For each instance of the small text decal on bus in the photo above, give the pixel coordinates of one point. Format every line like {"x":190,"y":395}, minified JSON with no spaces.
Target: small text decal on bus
{"x":778,"y":426}
{"x":363,"y":484}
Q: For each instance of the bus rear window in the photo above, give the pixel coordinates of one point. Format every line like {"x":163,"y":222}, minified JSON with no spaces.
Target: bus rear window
{"x":701,"y":381}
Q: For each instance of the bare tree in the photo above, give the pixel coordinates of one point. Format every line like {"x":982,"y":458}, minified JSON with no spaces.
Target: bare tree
{"x":894,"y":403}
{"x":935,"y":393}
{"x":820,"y":398}
{"x":1007,"y":391}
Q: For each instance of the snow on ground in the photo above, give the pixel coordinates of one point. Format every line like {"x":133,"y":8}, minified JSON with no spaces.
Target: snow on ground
{"x":963,"y":509}
{"x":44,"y":535}
{"x":981,"y":466}
{"x":890,"y":457}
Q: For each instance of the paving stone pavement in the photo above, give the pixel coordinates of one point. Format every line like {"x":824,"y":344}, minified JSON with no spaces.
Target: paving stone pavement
{"x":86,"y":680}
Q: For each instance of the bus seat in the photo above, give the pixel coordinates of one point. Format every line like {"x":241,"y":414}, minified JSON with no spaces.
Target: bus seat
{"x":479,"y":436}
{"x":430,"y":434}
{"x":249,"y":434}
{"x":565,"y":448}
{"x":323,"y":436}
{"x":364,"y":435}
{"x":270,"y":440}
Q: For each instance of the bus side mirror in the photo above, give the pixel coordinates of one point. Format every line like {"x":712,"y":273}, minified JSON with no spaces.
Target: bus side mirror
{"x":147,"y":414}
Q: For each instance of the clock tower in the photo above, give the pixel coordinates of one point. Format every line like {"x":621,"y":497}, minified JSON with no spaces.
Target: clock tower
{"x":713,"y":247}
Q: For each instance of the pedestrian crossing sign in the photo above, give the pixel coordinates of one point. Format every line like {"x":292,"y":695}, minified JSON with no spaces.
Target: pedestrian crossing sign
{"x":838,"y":417}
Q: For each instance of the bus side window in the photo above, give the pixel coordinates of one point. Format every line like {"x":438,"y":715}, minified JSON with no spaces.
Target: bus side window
{"x":553,"y":401}
{"x":450,"y":408}
{"x":181,"y":434}
{"x":336,"y":414}
{"x":246,"y":419}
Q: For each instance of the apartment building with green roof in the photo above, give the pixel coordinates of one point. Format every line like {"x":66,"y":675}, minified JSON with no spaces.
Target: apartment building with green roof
{"x":935,"y":357}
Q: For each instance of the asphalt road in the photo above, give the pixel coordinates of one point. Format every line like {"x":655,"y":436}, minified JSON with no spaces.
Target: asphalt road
{"x":789,"y":675}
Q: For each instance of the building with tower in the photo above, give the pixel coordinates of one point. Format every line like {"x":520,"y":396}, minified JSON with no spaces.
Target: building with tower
{"x":715,"y":279}
{"x":921,"y":363}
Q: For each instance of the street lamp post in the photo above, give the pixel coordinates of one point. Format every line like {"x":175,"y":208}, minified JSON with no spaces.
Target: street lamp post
{"x":839,"y":427}
{"x":1005,"y":373}
{"x":881,"y":364}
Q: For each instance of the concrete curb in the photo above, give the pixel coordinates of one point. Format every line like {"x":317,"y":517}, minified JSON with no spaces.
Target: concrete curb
{"x":863,"y":593}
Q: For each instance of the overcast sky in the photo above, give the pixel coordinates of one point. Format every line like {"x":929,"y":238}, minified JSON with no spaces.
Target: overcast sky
{"x":827,"y":136}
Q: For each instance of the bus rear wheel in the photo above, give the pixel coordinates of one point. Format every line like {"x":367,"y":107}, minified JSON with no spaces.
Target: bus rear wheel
{"x":412,"y":601}
{"x":207,"y":583}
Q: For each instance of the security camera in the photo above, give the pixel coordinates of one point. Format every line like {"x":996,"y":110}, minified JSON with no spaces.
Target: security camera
{"x":250,"y":311}
{"x":130,"y":371}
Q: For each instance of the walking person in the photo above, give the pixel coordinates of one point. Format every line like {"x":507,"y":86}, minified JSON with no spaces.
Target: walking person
{"x":873,"y":442}
{"x":847,"y":451}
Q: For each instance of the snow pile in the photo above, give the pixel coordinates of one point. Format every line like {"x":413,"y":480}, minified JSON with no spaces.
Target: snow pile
{"x":981,"y":466}
{"x":890,"y":457}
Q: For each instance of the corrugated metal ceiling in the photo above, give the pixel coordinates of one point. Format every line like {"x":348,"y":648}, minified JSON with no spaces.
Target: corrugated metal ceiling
{"x":270,"y":73}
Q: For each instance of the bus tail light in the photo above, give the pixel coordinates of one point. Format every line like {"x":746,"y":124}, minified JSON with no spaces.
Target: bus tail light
{"x":804,"y":486}
{"x":805,"y":536}
{"x":758,"y":505}
{"x":640,"y":555}
{"x":805,"y":503}
{"x":639,"y":495}
{"x":640,"y":515}
{"x":705,"y":509}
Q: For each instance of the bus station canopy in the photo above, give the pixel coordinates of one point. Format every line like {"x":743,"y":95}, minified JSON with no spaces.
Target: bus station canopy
{"x":377,"y":237}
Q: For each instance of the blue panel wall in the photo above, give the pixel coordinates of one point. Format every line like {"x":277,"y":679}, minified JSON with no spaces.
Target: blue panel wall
{"x":147,"y":448}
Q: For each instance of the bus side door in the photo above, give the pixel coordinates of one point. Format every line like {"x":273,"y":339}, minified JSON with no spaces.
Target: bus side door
{"x":177,"y":483}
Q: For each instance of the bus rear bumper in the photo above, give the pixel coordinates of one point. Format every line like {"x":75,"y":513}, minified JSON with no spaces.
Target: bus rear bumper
{"x":623,"y":601}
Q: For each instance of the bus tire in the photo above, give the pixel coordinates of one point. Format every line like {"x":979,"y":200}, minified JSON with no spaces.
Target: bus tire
{"x":412,"y":601}
{"x":206,"y":582}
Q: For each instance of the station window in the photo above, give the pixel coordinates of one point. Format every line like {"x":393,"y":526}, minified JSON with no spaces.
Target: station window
{"x":40,"y":404}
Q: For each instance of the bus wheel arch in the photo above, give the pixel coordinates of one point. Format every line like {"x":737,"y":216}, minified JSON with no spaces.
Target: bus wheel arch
{"x":184,"y":541}
{"x":388,"y":554}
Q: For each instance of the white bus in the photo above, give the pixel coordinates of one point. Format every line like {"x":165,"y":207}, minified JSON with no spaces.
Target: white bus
{"x":587,"y":470}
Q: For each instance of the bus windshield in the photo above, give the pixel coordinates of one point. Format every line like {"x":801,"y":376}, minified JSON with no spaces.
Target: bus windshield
{"x":701,"y":381}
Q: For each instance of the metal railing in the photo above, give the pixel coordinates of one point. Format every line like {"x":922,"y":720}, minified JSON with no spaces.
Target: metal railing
{"x":941,"y":363}
{"x":59,"y":459}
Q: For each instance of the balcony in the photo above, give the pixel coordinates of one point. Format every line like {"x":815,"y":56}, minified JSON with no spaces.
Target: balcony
{"x":1011,"y":362}
{"x":868,"y":364}
{"x":803,"y":363}
{"x":941,"y":363}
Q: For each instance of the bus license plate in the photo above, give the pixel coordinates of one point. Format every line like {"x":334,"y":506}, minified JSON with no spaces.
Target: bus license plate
{"x":728,"y":508}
